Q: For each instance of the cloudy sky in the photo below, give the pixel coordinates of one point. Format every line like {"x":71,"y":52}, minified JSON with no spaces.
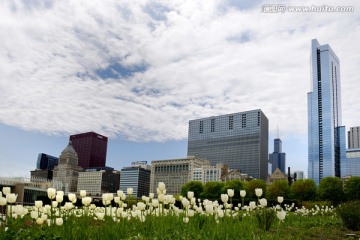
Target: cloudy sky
{"x":137,"y":71}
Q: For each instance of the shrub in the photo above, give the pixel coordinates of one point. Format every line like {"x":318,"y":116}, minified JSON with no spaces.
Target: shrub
{"x":212,"y":190}
{"x":303,"y":190}
{"x":352,"y":188}
{"x":252,"y":185}
{"x":349,"y":213}
{"x":195,"y":186}
{"x":331,"y":189}
{"x":278,"y":188}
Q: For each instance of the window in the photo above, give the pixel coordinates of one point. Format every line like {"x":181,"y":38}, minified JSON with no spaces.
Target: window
{"x":212,"y":125}
{"x":243,"y":121}
{"x":201,"y":130}
{"x":231,"y":122}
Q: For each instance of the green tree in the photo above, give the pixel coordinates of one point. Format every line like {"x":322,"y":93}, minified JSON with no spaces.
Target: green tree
{"x":303,"y":190}
{"x":252,"y":185}
{"x":212,"y":190}
{"x":331,"y":189}
{"x":278,"y":188}
{"x":195,"y":186}
{"x":352,"y":188}
{"x":237,"y":185}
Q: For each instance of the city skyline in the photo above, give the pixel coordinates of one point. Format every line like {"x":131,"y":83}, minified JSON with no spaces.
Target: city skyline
{"x":137,"y":72}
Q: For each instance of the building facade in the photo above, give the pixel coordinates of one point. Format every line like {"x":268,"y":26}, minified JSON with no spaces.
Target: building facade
{"x":239,"y":140}
{"x":209,"y":173}
{"x":353,"y":162}
{"x":67,"y":171}
{"x":91,"y":149}
{"x":354,"y":137}
{"x":174,"y":173}
{"x":97,"y":182}
{"x":277,"y":158}
{"x":136,"y":177}
{"x":326,"y":135}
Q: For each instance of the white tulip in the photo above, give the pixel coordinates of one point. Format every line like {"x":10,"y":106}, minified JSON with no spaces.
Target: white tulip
{"x":281,"y":215}
{"x":59,"y":221}
{"x":59,"y":198}
{"x":38,"y":204}
{"x":40,"y":221}
{"x":130,"y":191}
{"x":224,"y":198}
{"x":54,"y":204}
{"x":280,"y":199}
{"x":185,"y":202}
{"x":69,"y":206}
{"x":3,"y":201}
{"x":86,"y":201}
{"x":60,"y":193}
{"x":230,"y":192}
{"x":11,"y":197}
{"x":161,"y":186}
{"x":161,"y":197}
{"x":190,"y":194}
{"x":6,"y":190}
{"x":82,"y":193}
{"x":151,"y":195}
{"x":34,"y":214}
{"x":51,"y":193}
{"x":263,"y":202}
{"x":185,"y":219}
{"x":258,"y":192}
{"x":243,"y":193}
{"x":72,"y":197}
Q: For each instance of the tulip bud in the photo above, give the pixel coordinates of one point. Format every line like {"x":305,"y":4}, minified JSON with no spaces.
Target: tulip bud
{"x":190,"y":194}
{"x":258,"y":192}
{"x":230,"y":192}
{"x":280,"y":199}
{"x":242,"y":193}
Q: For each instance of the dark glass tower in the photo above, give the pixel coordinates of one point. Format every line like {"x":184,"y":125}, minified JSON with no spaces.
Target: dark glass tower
{"x":239,"y":140}
{"x":277,"y":158}
{"x":46,"y":162}
{"x":326,"y":135}
{"x":91,"y":149}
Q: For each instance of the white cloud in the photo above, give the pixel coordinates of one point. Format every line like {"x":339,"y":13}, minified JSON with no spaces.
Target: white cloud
{"x":200,"y":58}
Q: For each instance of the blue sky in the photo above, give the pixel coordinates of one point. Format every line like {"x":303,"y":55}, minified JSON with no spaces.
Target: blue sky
{"x":138,"y":71}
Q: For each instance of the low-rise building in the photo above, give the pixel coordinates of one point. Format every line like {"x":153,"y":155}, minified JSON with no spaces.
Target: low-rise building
{"x":174,"y":173}
{"x":277,"y":175}
{"x":97,"y":182}
{"x":235,"y":174}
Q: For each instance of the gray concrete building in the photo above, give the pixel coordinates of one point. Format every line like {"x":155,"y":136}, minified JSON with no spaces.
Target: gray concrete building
{"x":239,"y":140}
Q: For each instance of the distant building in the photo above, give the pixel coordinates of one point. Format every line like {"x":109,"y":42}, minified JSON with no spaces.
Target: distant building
{"x":46,"y":162}
{"x":97,"y":182}
{"x":235,"y":174}
{"x":174,"y":173}
{"x":208,"y":173}
{"x":28,"y":190}
{"x":67,"y":171}
{"x":136,"y":177}
{"x":239,"y":140}
{"x":91,"y":149}
{"x":277,"y":158}
{"x":326,"y":135}
{"x":353,"y":162}
{"x":354,"y":137}
{"x":44,"y":166}
{"x":277,"y":175}
{"x":299,"y":175}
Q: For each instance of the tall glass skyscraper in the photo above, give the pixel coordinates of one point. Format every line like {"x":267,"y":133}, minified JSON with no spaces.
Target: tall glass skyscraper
{"x":277,"y":158}
{"x":239,"y":140}
{"x":326,"y":135}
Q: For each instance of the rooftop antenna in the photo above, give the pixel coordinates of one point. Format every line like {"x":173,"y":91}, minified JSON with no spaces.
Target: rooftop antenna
{"x":278,"y":134}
